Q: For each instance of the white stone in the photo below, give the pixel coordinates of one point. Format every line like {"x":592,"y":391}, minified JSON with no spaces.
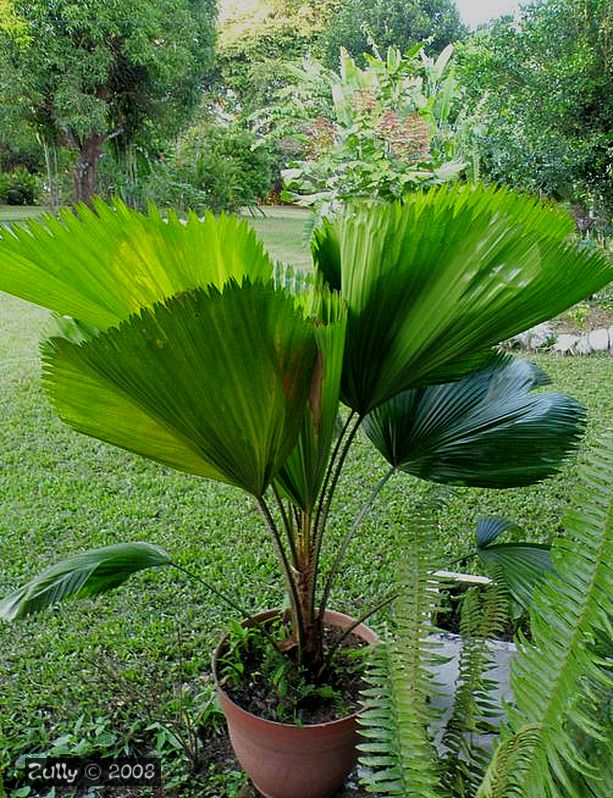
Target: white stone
{"x":583,"y":345}
{"x":599,"y":340}
{"x":540,"y":336}
{"x":611,"y":338}
{"x":446,"y":676}
{"x":566,"y":344}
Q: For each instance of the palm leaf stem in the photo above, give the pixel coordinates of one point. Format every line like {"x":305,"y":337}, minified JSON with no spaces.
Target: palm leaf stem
{"x":296,"y":514}
{"x":288,"y":574}
{"x":364,"y":617}
{"x":245,"y":614}
{"x":349,"y":536}
{"x":334,"y":469}
{"x":220,"y":594}
{"x":330,"y":467}
{"x":287,"y":525}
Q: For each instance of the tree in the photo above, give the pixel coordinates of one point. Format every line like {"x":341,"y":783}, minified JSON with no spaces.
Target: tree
{"x":89,"y":72}
{"x":397,"y":23}
{"x":540,"y":92}
{"x":257,"y":41}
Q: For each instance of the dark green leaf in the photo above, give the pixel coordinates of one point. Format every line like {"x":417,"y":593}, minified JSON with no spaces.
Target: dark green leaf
{"x":215,"y":384}
{"x":301,"y":476}
{"x":489,"y":529}
{"x":520,"y":567}
{"x":432,"y":284}
{"x":86,"y":574}
{"x":486,"y":430}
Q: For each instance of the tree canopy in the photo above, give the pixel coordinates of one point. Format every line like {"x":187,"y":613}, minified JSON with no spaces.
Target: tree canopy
{"x":540,"y":90}
{"x":87,"y":72}
{"x":397,"y":23}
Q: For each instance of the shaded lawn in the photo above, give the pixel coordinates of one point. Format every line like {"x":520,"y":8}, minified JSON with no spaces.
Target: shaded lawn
{"x":18,"y":213}
{"x":98,"y":672}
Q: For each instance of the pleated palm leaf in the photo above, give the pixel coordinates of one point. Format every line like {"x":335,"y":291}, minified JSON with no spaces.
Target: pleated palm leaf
{"x":182,"y":343}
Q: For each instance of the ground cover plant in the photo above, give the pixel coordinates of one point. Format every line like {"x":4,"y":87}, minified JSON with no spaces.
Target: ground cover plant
{"x":103,"y":496}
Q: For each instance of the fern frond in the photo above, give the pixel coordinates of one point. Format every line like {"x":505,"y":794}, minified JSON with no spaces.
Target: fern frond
{"x":557,"y":677}
{"x":510,"y":760}
{"x":398,"y":751}
{"x":484,"y":615}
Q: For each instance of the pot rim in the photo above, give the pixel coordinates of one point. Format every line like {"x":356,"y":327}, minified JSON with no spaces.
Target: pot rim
{"x":371,"y":639}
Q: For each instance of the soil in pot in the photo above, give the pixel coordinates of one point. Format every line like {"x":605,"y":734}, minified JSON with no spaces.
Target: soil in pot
{"x":262,"y":681}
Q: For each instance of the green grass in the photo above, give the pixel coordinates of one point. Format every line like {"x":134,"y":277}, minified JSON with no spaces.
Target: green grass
{"x":98,"y":673}
{"x":284,"y":230}
{"x":17,"y":213}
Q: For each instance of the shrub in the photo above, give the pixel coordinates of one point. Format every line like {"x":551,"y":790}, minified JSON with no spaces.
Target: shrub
{"x":215,"y":167}
{"x":383,"y":131}
{"x":19,"y":187}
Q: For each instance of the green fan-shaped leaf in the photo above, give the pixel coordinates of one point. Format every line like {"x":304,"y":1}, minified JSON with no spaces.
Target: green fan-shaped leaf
{"x":86,"y":574}
{"x":102,"y":267}
{"x":215,"y":384}
{"x":433,"y":283}
{"x":301,"y":476}
{"x":520,"y":567}
{"x":489,"y":529}
{"x":485,"y":430}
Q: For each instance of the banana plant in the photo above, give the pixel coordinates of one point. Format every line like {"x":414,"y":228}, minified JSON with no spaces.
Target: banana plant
{"x":183,"y":343}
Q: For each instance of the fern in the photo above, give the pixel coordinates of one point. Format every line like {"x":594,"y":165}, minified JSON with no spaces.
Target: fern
{"x":561,"y":677}
{"x":558,"y":741}
{"x":510,"y":761}
{"x":398,"y":750}
{"x":484,"y":615}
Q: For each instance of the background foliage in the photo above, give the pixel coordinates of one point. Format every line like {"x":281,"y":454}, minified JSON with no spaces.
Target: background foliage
{"x":540,"y":93}
{"x":389,"y":23}
{"x":536,"y":107}
{"x":83,"y":73}
{"x":379,"y":131}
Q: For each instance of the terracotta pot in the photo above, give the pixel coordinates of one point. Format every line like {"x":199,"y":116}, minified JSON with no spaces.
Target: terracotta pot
{"x":287,"y":761}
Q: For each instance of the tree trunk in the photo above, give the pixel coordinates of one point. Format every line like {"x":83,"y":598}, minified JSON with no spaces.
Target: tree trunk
{"x":84,"y":175}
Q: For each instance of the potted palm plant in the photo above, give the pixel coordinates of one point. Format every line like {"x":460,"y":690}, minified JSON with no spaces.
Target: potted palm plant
{"x":184,"y":344}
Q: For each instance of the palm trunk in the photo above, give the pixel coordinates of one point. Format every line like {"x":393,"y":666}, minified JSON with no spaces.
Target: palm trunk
{"x":312,"y":654}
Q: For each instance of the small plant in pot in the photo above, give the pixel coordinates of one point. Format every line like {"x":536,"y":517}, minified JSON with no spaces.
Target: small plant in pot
{"x":185,"y":344}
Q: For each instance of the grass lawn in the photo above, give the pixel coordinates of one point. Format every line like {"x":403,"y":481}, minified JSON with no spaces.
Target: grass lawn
{"x":17,"y":213}
{"x":102,"y":675}
{"x":284,"y":231}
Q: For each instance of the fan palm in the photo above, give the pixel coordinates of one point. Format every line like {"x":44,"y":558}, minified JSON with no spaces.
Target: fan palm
{"x":183,"y":343}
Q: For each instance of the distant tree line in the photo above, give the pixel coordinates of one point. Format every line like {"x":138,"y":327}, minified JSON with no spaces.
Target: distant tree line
{"x":152,"y":99}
